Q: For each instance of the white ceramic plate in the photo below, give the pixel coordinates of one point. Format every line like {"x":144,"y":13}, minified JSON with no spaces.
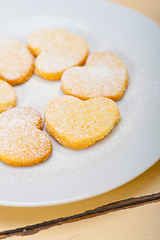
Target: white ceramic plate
{"x":133,"y":145}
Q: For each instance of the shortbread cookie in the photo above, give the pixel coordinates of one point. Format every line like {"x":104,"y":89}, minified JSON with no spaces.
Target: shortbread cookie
{"x":78,"y":124}
{"x":103,"y":75}
{"x":57,"y":50}
{"x":8,"y":96}
{"x":22,"y":141}
{"x":16,"y":62}
{"x":19,"y":116}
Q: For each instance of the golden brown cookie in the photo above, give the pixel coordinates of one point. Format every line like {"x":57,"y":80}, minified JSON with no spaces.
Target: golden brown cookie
{"x":78,"y":124}
{"x":104,"y":75}
{"x":56,"y":50}
{"x":16,"y":62}
{"x":22,"y":141}
{"x":7,"y":96}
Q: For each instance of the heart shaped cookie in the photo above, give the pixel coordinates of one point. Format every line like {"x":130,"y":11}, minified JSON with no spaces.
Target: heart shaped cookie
{"x":78,"y":124}
{"x":8,"y":96}
{"x":16,"y":62}
{"x":56,"y":50}
{"x":22,"y":141}
{"x":104,"y":75}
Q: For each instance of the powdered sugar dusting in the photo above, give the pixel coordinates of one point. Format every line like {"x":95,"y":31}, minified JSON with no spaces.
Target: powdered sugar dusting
{"x":15,"y":60}
{"x":104,"y":75}
{"x":27,"y":143}
{"x":43,"y":183}
{"x":7,"y":93}
{"x":8,"y":96}
{"x":88,"y":82}
{"x":47,"y":39}
{"x":22,"y":143}
{"x":78,"y":124}
{"x":57,"y":60}
{"x":21,"y":116}
{"x":58,"y":50}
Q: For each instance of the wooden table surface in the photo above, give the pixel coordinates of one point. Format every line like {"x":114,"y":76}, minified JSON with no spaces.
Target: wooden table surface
{"x":131,"y":211}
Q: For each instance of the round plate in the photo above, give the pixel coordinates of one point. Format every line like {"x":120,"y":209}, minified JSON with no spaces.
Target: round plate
{"x":132,"y":146}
